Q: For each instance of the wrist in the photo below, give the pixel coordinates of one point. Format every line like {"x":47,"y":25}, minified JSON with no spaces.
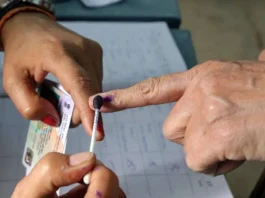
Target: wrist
{"x":21,"y":22}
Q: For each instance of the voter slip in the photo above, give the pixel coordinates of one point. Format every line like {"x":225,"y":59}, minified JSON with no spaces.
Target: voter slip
{"x":42,"y":138}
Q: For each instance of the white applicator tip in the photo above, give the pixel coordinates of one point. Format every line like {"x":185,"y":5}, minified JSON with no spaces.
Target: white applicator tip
{"x":86,"y":179}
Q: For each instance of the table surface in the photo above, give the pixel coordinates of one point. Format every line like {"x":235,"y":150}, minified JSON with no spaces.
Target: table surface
{"x":127,"y":10}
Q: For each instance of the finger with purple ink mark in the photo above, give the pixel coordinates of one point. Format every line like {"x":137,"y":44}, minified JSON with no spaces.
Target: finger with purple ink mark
{"x":103,"y":183}
{"x":152,"y":91}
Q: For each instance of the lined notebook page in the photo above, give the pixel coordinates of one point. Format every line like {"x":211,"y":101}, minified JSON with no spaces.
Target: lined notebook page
{"x":147,"y":164}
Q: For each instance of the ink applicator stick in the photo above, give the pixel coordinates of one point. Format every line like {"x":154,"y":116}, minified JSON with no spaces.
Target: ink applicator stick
{"x":97,"y":104}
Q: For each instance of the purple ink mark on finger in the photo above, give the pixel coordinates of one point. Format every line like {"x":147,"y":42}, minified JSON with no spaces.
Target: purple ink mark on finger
{"x":99,"y":194}
{"x":108,"y":99}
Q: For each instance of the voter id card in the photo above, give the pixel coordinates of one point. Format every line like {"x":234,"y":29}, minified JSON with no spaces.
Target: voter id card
{"x":42,"y":138}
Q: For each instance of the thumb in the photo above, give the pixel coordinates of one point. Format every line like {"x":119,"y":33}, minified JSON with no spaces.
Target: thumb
{"x":262,"y":56}
{"x":20,"y":87}
{"x":56,"y":170}
{"x":153,"y":91}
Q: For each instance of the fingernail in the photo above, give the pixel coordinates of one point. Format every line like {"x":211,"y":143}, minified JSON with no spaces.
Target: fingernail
{"x":100,"y":128}
{"x":100,"y":132}
{"x":79,"y":158}
{"x":50,"y":120}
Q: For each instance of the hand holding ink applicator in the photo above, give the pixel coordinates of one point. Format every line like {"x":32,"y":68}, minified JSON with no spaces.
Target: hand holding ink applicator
{"x":97,"y":103}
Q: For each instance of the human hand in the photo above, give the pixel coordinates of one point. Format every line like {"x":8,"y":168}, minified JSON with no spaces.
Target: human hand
{"x":56,"y":170}
{"x":35,"y":45}
{"x":219,"y":116}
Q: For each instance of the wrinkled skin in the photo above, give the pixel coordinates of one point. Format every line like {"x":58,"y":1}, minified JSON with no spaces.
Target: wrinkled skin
{"x":219,"y":114}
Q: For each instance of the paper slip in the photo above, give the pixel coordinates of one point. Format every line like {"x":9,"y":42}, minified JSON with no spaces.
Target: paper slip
{"x":42,"y":138}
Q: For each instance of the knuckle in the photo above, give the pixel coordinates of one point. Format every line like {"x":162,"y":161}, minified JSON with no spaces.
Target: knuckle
{"x":49,"y":157}
{"x":82,"y":82}
{"x":8,"y":82}
{"x":194,"y":163}
{"x":53,"y":43}
{"x":49,"y":36}
{"x":213,"y":63}
{"x":147,"y":89}
{"x":166,"y":131}
{"x":10,"y":79}
{"x":29,"y":112}
{"x":197,"y":155}
{"x":55,"y":50}
{"x":199,"y":160}
{"x":216,"y":108}
{"x":46,"y":167}
{"x":209,"y":84}
{"x":89,"y":45}
{"x":96,"y":46}
{"x":74,"y":124}
{"x":221,"y":64}
{"x":222,"y":131}
{"x":210,"y":105}
{"x":169,"y":133}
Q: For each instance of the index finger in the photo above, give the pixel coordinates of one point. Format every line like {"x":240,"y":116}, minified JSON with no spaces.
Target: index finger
{"x":153,"y":91}
{"x":80,"y":85}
